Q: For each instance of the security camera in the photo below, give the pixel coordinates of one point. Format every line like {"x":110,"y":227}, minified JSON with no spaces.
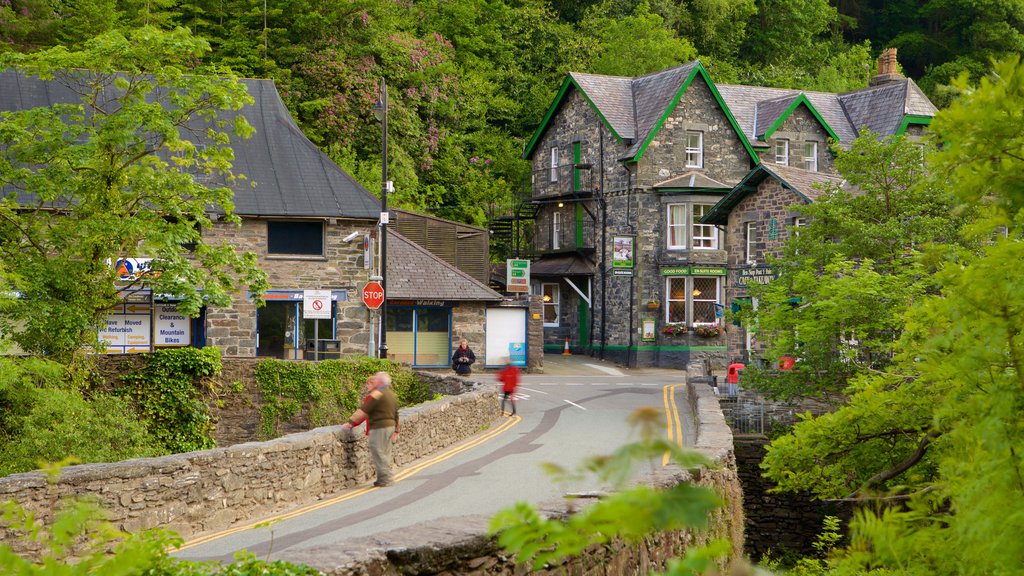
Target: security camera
{"x":350,"y":237}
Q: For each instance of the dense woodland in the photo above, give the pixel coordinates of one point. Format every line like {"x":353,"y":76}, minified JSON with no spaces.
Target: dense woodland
{"x":469,"y":80}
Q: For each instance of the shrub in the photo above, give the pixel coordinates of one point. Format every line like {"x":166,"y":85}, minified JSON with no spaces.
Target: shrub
{"x":330,"y":389}
{"x":42,"y":417}
{"x":168,"y":394}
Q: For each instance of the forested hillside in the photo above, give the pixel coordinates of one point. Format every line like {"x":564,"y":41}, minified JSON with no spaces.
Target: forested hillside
{"x":470,"y":79}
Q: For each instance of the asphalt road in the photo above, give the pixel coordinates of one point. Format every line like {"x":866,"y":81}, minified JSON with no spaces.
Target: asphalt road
{"x":562,"y":419}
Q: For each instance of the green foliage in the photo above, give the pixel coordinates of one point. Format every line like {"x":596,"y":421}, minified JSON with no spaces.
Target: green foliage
{"x":651,"y":47}
{"x":330,"y":390}
{"x":629,"y":514}
{"x":79,"y":540}
{"x":126,"y":172}
{"x":950,"y":472}
{"x":168,"y":394}
{"x":43,"y":418}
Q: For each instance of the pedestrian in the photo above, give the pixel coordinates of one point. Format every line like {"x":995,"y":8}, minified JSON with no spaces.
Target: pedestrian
{"x":380,"y":412}
{"x":509,"y":378}
{"x":463,"y":358}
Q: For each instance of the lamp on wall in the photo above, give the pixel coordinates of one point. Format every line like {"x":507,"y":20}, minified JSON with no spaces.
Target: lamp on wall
{"x":380,"y":111}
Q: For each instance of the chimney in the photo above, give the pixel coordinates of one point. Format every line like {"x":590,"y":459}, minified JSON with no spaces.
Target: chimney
{"x":888,"y":69}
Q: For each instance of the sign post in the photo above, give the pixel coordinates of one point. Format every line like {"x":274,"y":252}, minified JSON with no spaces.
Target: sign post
{"x":517,"y":275}
{"x":373,"y":295}
{"x":316,"y":305}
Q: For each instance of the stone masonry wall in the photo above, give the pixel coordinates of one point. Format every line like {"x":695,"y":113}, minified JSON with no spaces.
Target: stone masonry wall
{"x":799,"y":128}
{"x":725,"y":158}
{"x":233,"y":329}
{"x":211,"y":490}
{"x":460,"y":546}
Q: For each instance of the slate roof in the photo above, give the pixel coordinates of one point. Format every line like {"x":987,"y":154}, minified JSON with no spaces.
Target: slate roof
{"x":805,"y":184}
{"x":563,"y":265}
{"x":416,"y":274}
{"x":882,"y":108}
{"x":632,"y":107}
{"x":292,"y":177}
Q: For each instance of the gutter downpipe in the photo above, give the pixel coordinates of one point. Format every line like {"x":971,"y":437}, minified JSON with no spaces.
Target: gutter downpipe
{"x":604,"y":249}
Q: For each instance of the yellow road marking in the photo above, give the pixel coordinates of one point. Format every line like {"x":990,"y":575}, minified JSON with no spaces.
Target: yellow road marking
{"x":509,"y":423}
{"x":672,"y":424}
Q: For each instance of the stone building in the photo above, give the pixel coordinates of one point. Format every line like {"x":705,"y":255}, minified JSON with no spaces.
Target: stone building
{"x":311,"y":227}
{"x":626,"y":172}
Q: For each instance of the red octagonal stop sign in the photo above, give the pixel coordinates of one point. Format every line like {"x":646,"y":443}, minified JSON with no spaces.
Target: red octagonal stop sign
{"x":373,"y":295}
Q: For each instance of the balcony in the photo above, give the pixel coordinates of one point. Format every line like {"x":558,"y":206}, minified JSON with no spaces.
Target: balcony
{"x":573,"y":237}
{"x":563,"y":182}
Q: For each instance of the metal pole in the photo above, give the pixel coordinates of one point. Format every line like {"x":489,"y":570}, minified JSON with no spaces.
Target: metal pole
{"x":384,"y":223}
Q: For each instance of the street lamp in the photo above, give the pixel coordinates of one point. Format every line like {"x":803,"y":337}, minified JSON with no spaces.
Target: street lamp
{"x":380,"y":111}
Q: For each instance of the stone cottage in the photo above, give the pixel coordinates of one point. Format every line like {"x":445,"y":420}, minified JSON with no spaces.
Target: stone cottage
{"x":626,"y":172}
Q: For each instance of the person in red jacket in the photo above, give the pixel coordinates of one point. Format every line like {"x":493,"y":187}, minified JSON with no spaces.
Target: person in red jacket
{"x":509,"y":378}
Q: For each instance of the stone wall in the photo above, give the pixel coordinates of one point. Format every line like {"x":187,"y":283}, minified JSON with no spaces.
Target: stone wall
{"x":460,"y":546}
{"x":213,"y":489}
{"x":799,"y":128}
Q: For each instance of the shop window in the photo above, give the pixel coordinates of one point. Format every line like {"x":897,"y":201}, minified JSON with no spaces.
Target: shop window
{"x":694,"y":149}
{"x":295,"y":238}
{"x":551,"y":304}
{"x":676,"y":226}
{"x":705,"y":296}
{"x":705,"y":236}
{"x":676,"y":290}
{"x":782,"y":152}
{"x":419,"y":336}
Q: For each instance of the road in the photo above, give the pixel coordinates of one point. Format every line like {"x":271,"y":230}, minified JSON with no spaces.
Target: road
{"x":561,"y":419}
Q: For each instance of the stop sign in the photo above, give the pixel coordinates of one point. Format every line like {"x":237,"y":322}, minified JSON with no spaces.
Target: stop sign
{"x":373,"y":295}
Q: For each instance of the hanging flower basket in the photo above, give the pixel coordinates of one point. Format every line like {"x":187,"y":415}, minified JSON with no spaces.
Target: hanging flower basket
{"x":675,"y":329}
{"x":653,"y":305}
{"x":709,"y":331}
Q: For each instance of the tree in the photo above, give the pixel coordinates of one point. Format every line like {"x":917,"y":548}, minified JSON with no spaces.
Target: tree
{"x":846,"y":279}
{"x":128,"y":171}
{"x":948,"y":471}
{"x":633,"y":44}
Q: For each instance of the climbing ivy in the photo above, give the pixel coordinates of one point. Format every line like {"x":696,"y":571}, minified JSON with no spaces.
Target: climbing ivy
{"x":330,"y":390}
{"x":168,"y":394}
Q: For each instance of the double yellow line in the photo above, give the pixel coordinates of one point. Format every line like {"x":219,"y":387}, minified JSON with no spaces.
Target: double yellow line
{"x":406,"y":473}
{"x":674,"y":429}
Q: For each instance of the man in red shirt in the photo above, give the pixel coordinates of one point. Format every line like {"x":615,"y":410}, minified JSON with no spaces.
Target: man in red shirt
{"x":509,"y":377}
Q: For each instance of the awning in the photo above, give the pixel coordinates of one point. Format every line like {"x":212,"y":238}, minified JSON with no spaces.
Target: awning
{"x":564,"y":265}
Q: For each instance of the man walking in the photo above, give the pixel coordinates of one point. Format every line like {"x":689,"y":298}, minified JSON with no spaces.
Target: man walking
{"x":380,"y":411}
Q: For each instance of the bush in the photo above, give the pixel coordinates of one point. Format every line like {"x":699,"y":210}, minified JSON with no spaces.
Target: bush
{"x":44,"y":416}
{"x":167,"y":393}
{"x":330,"y":389}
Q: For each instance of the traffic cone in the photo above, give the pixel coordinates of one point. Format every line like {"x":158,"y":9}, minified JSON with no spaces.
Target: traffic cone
{"x":566,"y":352}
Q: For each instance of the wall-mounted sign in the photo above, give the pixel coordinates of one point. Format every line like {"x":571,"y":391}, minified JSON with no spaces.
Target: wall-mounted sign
{"x":623,"y":251}
{"x":762,"y":275}
{"x":123,"y":333}
{"x":129,"y":269}
{"x":647,"y":334}
{"x":694,"y":271}
{"x":517,"y":275}
{"x":517,"y":353}
{"x":171,"y":328}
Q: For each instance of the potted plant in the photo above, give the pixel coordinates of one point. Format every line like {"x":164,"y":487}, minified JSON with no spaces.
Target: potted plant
{"x":708,"y":331}
{"x":674,"y":329}
{"x":653,"y":304}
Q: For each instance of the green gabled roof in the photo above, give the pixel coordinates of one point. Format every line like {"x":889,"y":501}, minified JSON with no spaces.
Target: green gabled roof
{"x":800,"y":182}
{"x":800,"y":99}
{"x":910,"y":119}
{"x":698,"y":69}
{"x":555,"y":104}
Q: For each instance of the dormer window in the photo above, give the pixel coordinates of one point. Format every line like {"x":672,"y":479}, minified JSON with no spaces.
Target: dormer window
{"x":782,"y":152}
{"x":694,"y":149}
{"x":811,"y":156}
{"x":554,"y":164}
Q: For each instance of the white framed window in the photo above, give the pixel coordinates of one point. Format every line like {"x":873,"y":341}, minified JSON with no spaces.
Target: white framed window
{"x":550,"y":297}
{"x":704,"y":291}
{"x":675,"y":289}
{"x":694,"y":149}
{"x":676,"y":226}
{"x":782,"y":152}
{"x":556,"y":230}
{"x":554,"y":164}
{"x":705,"y":236}
{"x":692,"y":299}
{"x":811,"y":156}
{"x":750,"y":242}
